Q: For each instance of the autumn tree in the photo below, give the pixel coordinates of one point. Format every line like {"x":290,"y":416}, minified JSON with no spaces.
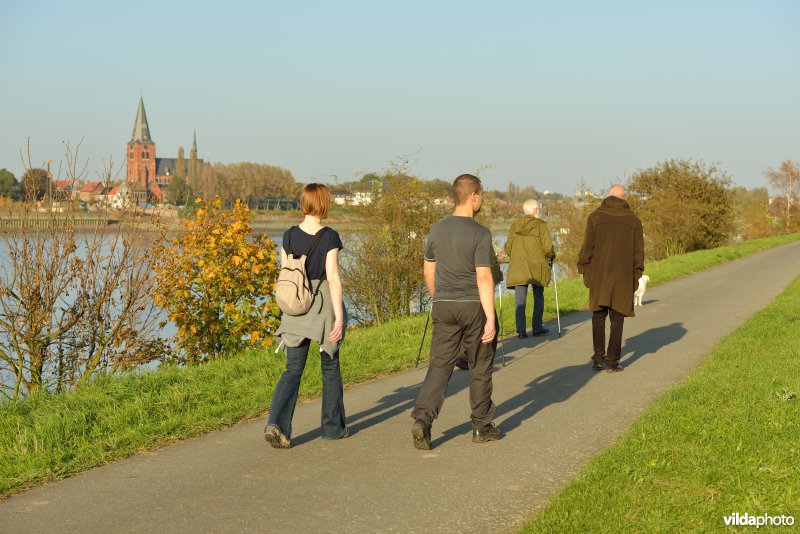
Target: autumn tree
{"x":180,"y":165}
{"x":216,"y":283}
{"x":751,"y":208}
{"x":684,"y":206}
{"x":253,"y":183}
{"x":786,"y":181}
{"x":35,"y":183}
{"x":382,"y":264}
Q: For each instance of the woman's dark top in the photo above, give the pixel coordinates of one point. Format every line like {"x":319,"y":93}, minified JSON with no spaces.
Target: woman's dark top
{"x":300,"y":241}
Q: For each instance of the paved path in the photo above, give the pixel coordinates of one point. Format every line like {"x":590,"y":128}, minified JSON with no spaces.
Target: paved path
{"x":556,"y":413}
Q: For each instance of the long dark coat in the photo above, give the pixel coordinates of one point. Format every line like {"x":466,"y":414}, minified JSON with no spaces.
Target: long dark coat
{"x":612,"y":256}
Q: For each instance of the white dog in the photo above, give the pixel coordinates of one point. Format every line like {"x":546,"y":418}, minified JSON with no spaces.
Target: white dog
{"x":639,"y":293}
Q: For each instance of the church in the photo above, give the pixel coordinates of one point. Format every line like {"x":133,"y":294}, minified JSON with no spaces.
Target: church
{"x":149,"y":174}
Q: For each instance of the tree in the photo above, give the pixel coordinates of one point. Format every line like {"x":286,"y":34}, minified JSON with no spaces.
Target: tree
{"x":180,"y":165}
{"x":9,"y":186}
{"x":178,"y":191}
{"x":786,"y":180}
{"x":753,"y":219}
{"x":75,"y":302}
{"x":35,"y":184}
{"x":216,"y":282}
{"x":382,"y":264}
{"x":684,"y":206}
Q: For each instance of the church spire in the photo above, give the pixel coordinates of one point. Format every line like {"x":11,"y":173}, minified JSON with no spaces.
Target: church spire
{"x":194,"y":142}
{"x":141,"y":131}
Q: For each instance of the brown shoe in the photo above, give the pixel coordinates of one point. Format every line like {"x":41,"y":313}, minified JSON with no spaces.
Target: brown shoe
{"x":598,"y":366}
{"x":615,"y":369}
{"x":421,"y":432}
{"x":274,"y":436}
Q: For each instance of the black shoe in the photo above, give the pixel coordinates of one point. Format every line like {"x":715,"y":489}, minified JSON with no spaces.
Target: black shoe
{"x":344,"y":435}
{"x":421,"y":432}
{"x":598,"y":366}
{"x":522,"y":335}
{"x":486,"y":433}
{"x":540,"y":331}
{"x":462,"y":364}
{"x":615,"y":369}
{"x":275,"y":437}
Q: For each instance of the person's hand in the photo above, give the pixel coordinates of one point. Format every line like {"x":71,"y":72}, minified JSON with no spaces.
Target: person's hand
{"x":336,"y":333}
{"x":488,"y":332}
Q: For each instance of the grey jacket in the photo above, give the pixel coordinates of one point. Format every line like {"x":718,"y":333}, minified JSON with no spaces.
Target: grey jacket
{"x":315,"y":325}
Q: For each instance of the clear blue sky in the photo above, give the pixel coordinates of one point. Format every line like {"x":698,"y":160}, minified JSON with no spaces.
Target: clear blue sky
{"x":540,"y":92}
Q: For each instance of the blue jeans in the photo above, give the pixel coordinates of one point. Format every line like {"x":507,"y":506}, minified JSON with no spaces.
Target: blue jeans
{"x":285,"y":397}
{"x":520,"y":300}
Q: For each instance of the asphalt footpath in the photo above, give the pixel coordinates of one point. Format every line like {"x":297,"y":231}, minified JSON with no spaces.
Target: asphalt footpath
{"x":555,"y":412}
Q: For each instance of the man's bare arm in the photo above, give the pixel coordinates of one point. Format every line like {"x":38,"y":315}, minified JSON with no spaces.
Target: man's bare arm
{"x":486,"y":293}
{"x":429,"y":269}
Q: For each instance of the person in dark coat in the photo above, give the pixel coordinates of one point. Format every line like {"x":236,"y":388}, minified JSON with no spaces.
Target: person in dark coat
{"x":611,"y":261}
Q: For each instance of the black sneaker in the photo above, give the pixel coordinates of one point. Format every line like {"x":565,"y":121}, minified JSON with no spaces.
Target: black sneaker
{"x":540,"y":331}
{"x":486,"y":433}
{"x":275,"y":437}
{"x":421,"y":432}
{"x":522,"y":335}
{"x":598,"y":366}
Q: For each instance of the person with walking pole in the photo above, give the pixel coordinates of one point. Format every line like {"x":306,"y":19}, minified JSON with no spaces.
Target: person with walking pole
{"x":458,"y":273}
{"x":529,"y":250}
{"x":611,"y":261}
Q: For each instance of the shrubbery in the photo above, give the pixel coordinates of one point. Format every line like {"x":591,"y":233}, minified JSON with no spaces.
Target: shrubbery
{"x":216,"y":282}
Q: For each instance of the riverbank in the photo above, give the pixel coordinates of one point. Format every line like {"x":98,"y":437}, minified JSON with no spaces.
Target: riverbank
{"x":52,"y":436}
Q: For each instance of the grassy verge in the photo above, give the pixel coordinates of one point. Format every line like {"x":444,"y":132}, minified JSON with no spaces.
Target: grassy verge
{"x":726,"y":440}
{"x":53,"y":436}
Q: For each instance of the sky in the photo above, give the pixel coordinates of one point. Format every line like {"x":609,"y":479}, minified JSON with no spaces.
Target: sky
{"x":544,"y":94}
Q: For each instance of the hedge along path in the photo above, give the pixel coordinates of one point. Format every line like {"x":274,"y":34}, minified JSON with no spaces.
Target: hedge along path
{"x":53,"y":436}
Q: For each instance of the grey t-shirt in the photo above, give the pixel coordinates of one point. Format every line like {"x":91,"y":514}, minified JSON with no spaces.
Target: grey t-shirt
{"x":458,"y":244}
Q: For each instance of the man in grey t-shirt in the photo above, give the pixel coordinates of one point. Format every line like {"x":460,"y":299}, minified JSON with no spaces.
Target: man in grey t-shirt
{"x":458,"y":273}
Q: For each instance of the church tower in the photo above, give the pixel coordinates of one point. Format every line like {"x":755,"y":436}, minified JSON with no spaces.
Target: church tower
{"x":141,"y":157}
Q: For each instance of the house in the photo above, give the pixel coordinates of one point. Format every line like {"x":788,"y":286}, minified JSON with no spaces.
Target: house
{"x":60,"y":189}
{"x":90,"y":191}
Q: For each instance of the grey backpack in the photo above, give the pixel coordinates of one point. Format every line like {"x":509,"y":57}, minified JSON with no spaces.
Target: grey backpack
{"x":293,"y":291}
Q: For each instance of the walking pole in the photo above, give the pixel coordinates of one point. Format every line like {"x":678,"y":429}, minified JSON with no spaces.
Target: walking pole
{"x":500,"y":333}
{"x":422,"y":341}
{"x":555,"y":287}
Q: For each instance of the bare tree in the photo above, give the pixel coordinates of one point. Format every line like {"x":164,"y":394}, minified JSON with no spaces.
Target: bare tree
{"x":76,"y":294}
{"x":786,"y":180}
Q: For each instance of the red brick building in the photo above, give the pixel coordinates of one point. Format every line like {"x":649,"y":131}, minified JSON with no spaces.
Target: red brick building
{"x":150,"y":174}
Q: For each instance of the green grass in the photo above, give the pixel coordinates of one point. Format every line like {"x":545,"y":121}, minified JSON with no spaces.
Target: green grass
{"x":52,"y":436}
{"x":727,"y":439}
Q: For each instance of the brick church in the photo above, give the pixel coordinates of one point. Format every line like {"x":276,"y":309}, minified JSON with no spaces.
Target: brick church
{"x":150,"y":174}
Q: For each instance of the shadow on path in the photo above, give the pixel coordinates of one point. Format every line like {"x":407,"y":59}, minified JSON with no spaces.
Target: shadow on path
{"x":559,"y":385}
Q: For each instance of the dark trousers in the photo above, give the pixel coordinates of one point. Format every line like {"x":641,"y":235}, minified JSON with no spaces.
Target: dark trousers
{"x":456,"y":324}
{"x":520,"y":301}
{"x":285,"y":397}
{"x":599,"y":336}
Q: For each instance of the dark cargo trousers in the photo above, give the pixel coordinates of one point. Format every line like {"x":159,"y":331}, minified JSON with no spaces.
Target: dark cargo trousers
{"x":455,"y":324}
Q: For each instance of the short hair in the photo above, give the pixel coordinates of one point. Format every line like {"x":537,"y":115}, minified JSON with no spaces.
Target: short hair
{"x":530,"y":206}
{"x":464,"y":186}
{"x":315,"y":200}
